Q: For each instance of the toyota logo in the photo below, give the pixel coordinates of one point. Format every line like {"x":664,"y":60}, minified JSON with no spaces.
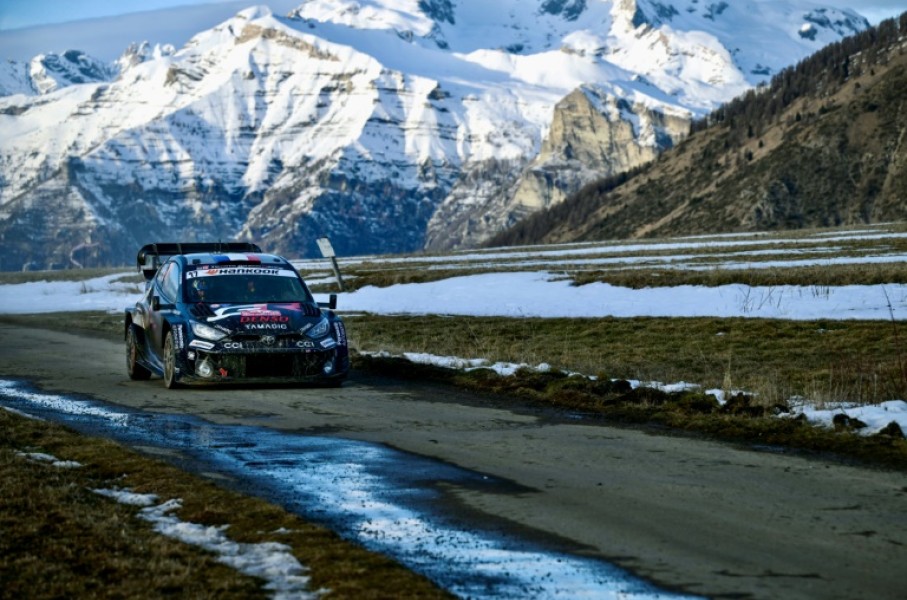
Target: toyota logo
{"x":268,"y":340}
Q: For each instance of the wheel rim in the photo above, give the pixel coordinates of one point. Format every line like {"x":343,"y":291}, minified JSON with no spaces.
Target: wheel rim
{"x":169,"y":360}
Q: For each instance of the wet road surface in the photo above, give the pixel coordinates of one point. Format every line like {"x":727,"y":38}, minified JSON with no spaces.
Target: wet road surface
{"x":385,"y":499}
{"x":689,"y":515}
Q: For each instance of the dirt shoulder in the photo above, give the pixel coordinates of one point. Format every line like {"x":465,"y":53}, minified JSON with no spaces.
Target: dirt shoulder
{"x":692,"y":515}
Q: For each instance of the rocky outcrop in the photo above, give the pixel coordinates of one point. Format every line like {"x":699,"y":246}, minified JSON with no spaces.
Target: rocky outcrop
{"x":833,"y":153}
{"x":593,"y":134}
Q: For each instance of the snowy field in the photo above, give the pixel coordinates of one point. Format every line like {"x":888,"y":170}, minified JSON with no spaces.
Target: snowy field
{"x":535,"y":282}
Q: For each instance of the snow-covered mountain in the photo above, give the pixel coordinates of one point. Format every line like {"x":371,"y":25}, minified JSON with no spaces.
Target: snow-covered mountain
{"x":46,"y":73}
{"x":388,"y":125}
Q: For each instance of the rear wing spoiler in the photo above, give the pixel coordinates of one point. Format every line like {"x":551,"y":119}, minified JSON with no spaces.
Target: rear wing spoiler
{"x":152,"y":256}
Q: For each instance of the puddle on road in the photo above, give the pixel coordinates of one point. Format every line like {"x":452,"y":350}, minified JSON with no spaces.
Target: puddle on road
{"x":385,"y":499}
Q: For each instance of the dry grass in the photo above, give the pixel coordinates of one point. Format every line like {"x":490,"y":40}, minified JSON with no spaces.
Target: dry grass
{"x":637,"y":277}
{"x":748,"y":260}
{"x":11,"y":277}
{"x":816,"y":278}
{"x":61,"y":540}
{"x":822,"y":360}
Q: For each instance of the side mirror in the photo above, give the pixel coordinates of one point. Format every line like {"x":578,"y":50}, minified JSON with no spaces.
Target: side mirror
{"x":331,"y":303}
{"x":157,"y":306}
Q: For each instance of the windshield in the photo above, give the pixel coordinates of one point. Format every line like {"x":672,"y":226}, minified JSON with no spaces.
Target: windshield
{"x":236,"y":289}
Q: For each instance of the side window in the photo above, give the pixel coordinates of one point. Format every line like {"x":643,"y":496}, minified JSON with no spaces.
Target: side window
{"x":162,"y":276}
{"x":171,"y":284}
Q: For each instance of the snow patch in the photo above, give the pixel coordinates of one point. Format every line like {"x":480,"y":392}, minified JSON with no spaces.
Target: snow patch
{"x":50,"y":459}
{"x":271,"y":561}
{"x":876,"y":417}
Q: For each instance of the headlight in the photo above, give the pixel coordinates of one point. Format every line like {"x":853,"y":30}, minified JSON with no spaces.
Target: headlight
{"x":207,"y":332}
{"x":321,"y":329}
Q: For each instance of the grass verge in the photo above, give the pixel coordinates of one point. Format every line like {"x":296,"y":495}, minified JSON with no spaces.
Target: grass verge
{"x":61,"y":540}
{"x":825,"y":361}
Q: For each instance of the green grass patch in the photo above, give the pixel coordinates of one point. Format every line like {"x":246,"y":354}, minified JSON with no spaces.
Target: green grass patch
{"x":61,"y":540}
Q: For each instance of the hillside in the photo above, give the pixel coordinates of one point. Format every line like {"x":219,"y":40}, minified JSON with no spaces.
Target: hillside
{"x":825,"y":143}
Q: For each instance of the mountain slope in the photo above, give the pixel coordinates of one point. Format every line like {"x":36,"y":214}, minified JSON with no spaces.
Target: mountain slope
{"x":388,"y":125}
{"x":46,"y":73}
{"x":825,"y":144}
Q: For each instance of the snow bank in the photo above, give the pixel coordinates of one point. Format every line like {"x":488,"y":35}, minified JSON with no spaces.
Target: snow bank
{"x":520,"y":295}
{"x":542,"y":294}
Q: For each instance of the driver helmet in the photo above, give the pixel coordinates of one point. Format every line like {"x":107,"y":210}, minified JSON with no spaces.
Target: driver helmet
{"x":199,"y":287}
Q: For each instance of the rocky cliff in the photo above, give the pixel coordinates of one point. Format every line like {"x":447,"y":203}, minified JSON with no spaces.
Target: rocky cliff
{"x":825,"y":144}
{"x":592,"y":134}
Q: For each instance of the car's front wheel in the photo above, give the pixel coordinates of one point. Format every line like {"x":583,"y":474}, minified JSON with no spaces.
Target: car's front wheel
{"x":133,"y":368}
{"x":171,"y":379}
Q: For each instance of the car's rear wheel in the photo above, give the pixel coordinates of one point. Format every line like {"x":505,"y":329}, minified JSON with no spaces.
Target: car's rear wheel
{"x":135,"y":370}
{"x":171,"y":379}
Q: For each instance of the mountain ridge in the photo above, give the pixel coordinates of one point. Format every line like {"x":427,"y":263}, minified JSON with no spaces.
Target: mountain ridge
{"x":825,"y":144}
{"x":365,"y":121}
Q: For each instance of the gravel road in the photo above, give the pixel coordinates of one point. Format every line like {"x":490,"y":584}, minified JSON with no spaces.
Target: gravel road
{"x":690,"y":515}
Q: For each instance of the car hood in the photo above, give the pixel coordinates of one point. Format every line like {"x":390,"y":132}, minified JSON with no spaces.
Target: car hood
{"x":260,"y":318}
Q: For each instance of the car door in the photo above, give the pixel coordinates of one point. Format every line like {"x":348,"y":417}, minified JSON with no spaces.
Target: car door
{"x":166,"y":289}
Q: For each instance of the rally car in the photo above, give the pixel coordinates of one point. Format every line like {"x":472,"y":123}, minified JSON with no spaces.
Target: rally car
{"x":226,"y":312}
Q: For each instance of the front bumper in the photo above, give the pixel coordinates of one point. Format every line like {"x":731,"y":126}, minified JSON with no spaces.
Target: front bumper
{"x":264,"y":365}
{"x":266,"y":357}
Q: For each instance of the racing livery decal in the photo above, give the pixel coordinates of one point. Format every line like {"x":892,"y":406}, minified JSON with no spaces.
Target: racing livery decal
{"x":215,"y":271}
{"x":178,"y":337}
{"x":264,"y":318}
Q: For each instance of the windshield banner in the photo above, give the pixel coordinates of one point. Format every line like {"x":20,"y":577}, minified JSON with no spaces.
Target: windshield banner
{"x":211,"y":271}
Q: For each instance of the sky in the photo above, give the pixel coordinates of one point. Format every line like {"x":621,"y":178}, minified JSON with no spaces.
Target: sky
{"x":16,"y":14}
{"x":104,"y":28}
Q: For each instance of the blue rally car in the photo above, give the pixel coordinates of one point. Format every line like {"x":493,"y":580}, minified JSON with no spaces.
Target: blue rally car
{"x":226,"y":312}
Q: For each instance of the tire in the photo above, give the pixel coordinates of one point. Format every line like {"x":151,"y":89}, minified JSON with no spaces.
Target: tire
{"x":171,"y":379}
{"x":136,"y":371}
